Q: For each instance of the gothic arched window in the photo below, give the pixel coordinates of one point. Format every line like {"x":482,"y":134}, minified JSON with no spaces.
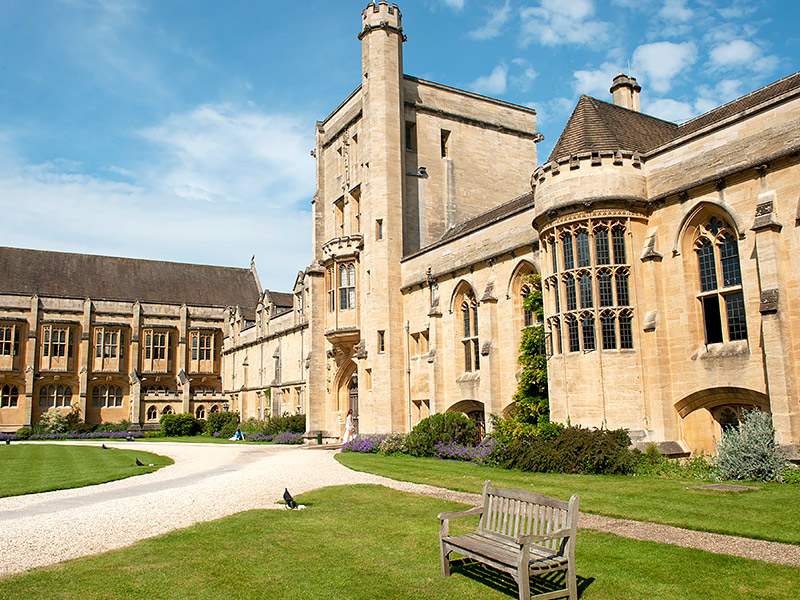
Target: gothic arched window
{"x":469,"y":329}
{"x":718,"y":253}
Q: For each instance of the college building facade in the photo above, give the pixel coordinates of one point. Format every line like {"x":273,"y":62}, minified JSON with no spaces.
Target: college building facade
{"x":668,"y":256}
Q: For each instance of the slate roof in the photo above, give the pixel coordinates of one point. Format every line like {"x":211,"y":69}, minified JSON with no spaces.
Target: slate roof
{"x":751,"y":100}
{"x":490,"y":216}
{"x":68,"y":275}
{"x":596,"y":126}
{"x":281,"y":299}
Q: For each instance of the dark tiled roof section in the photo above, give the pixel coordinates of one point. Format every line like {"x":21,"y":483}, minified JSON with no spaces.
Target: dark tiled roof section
{"x":282,"y":299}
{"x":490,"y":216}
{"x":751,"y":100}
{"x":597,"y":126}
{"x":68,"y":275}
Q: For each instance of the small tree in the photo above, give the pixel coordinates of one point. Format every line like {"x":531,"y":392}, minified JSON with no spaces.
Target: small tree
{"x":748,"y":451}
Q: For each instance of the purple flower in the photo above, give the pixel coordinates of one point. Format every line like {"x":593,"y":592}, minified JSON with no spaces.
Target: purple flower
{"x":365,"y":444}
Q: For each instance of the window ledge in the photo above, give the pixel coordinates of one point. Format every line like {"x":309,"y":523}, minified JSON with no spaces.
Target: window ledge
{"x":738,"y":348}
{"x":469,"y":377}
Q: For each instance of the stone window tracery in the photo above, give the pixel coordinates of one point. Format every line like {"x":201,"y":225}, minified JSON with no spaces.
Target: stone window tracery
{"x":595,"y":280}
{"x":9,"y":340}
{"x":9,"y":394}
{"x":347,"y":286}
{"x":55,"y":395}
{"x":718,"y":253}
{"x":106,"y":396}
{"x":469,"y":338}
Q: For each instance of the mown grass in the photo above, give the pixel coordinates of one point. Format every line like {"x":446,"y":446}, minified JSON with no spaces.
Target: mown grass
{"x":32,"y":468}
{"x":770,"y":513}
{"x":368,"y":542}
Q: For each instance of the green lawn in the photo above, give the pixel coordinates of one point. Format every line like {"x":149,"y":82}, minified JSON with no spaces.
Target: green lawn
{"x":32,"y":468}
{"x":771,"y":513}
{"x":368,"y":542}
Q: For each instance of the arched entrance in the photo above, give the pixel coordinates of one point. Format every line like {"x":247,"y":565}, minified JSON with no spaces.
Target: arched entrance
{"x":353,"y":399}
{"x":474,"y":410}
{"x":346,"y":386}
{"x":705,"y":414}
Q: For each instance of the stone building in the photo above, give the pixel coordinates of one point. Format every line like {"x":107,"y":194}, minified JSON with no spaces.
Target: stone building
{"x":118,"y":338}
{"x":668,"y":255}
{"x":670,"y":260}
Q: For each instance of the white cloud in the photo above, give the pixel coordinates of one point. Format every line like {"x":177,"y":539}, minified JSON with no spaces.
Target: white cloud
{"x":556,"y":22}
{"x":457,"y":4}
{"x":217,"y":153}
{"x":493,"y":84}
{"x":222,"y":185}
{"x":660,"y":62}
{"x":596,"y":82}
{"x":675,"y":10}
{"x":522,"y":75}
{"x":493,"y":25}
{"x":742,"y":54}
{"x":670,"y":110}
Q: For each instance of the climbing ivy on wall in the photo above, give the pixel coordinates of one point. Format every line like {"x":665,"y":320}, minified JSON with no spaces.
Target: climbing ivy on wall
{"x":530,"y":408}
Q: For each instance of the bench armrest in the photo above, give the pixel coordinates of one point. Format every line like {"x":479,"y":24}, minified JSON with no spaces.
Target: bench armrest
{"x":528,"y":539}
{"x":478,"y":510}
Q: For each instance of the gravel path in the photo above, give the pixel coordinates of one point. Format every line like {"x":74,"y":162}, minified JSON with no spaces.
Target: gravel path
{"x":209,"y":481}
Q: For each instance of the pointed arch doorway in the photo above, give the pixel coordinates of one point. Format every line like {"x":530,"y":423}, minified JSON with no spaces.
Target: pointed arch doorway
{"x":347,"y":392}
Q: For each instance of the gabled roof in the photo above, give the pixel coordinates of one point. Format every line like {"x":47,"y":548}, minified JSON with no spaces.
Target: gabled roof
{"x":281,"y":299}
{"x":68,"y":275}
{"x":597,"y":126}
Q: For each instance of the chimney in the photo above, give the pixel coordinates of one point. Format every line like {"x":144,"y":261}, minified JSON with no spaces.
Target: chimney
{"x":626,"y":92}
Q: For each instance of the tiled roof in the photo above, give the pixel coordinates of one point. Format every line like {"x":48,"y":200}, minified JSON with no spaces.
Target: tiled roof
{"x":597,"y":126}
{"x":751,"y":100}
{"x":490,"y":216}
{"x":282,"y":299}
{"x":68,"y":275}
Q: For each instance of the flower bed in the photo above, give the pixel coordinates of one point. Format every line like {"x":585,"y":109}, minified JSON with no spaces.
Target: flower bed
{"x":365,"y":444}
{"x":480,"y":454}
{"x":94,"y":435}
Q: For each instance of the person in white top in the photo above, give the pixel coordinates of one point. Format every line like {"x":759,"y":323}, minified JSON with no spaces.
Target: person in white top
{"x":349,"y":428}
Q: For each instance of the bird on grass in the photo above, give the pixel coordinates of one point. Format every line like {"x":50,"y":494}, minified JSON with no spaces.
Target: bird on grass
{"x":104,"y":446}
{"x":139,"y":463}
{"x":287,"y":497}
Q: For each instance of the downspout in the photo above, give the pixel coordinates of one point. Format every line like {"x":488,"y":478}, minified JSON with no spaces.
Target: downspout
{"x":408,"y":373}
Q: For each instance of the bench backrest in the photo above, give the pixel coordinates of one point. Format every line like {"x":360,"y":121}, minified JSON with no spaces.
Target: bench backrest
{"x":511,"y":513}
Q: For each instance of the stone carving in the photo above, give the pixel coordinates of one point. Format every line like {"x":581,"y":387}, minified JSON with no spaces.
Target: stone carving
{"x":765,"y":213}
{"x":486,"y":348}
{"x":361,"y":350}
{"x":769,"y":301}
{"x":650,"y":320}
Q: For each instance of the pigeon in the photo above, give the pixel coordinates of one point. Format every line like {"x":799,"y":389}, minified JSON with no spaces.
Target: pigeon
{"x":104,"y":447}
{"x":290,"y":503}
{"x":139,"y":463}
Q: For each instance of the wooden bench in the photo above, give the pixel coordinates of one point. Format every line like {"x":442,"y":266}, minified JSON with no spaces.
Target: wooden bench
{"x":522,"y":533}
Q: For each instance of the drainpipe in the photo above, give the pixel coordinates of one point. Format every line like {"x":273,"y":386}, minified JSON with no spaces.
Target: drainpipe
{"x":408,"y":373}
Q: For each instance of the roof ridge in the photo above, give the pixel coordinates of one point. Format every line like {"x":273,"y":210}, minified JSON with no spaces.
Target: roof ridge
{"x":720,"y":108}
{"x":138,"y":260}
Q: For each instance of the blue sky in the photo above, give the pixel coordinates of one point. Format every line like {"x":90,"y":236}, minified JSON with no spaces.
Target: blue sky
{"x":181,"y":129}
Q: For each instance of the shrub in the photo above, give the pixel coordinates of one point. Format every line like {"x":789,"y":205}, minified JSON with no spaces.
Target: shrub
{"x":392,"y":444}
{"x":441,"y":427}
{"x":791,"y":474}
{"x":53,"y":421}
{"x":366,"y":444}
{"x":111,"y":427}
{"x":574,"y":450}
{"x":24,"y":433}
{"x":749,"y":451}
{"x":179,"y":425}
{"x":286,"y":422}
{"x":217,"y":420}
{"x":228,"y":429}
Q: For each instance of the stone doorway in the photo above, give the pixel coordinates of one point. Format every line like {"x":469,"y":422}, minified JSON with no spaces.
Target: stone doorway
{"x":353,"y":399}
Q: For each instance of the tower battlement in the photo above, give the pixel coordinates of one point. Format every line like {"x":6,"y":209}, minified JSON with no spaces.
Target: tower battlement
{"x":381,"y":15}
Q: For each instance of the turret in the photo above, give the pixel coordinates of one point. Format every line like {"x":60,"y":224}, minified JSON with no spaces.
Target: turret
{"x":381,"y":15}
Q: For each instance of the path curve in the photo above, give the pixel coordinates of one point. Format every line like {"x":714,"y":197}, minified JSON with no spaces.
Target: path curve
{"x":209,"y":481}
